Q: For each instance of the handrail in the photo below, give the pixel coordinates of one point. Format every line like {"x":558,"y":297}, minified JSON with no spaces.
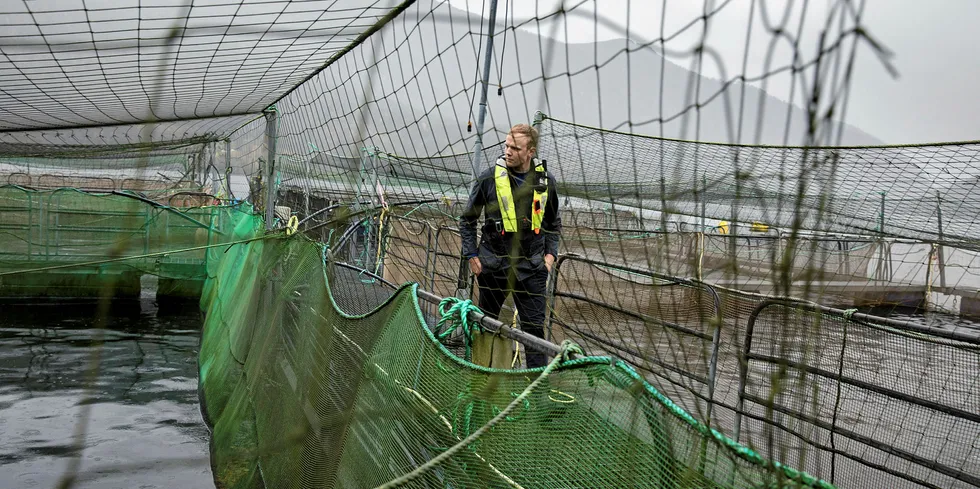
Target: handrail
{"x":435,"y":252}
{"x":716,"y":319}
{"x":428,"y":238}
{"x":970,"y":337}
{"x":488,"y":323}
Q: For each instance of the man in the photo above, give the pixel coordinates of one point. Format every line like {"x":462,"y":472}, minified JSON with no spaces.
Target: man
{"x":520,"y":235}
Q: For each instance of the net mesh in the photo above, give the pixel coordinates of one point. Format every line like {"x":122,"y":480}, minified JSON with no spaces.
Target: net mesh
{"x":832,"y":416}
{"x":104,"y":64}
{"x":72,"y":243}
{"x":140,"y":140}
{"x":385,"y":397}
{"x":886,"y":191}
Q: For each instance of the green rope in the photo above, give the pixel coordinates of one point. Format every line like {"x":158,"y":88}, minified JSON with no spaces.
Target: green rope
{"x":849,"y":314}
{"x":526,"y":406}
{"x":429,"y":206}
{"x":746,"y":453}
{"x":409,"y":213}
{"x":455,"y":314}
{"x":566,"y":346}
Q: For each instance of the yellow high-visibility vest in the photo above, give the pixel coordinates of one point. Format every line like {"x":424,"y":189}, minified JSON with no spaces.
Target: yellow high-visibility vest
{"x":505,"y":198}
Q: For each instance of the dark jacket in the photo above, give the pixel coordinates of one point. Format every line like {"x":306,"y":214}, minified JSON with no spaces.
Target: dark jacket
{"x":523,"y":248}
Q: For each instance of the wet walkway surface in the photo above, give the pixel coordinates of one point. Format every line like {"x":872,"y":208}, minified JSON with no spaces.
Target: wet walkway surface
{"x":143,"y":427}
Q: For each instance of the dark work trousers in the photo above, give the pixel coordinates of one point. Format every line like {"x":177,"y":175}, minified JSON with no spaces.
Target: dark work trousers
{"x":529,"y":298}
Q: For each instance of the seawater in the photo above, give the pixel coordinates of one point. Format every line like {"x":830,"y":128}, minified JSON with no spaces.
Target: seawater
{"x":140,"y":416}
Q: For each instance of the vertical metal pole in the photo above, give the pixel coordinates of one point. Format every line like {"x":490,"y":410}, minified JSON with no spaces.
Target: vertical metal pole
{"x":30,"y":226}
{"x":881,"y":218}
{"x":699,"y":240}
{"x":200,"y":164}
{"x":271,"y":121}
{"x":481,"y":118}
{"x":551,"y":298}
{"x":371,"y":239}
{"x":271,"y":283}
{"x":360,"y":177}
{"x":192,"y":168}
{"x":375,"y":177}
{"x":928,"y":295}
{"x":942,"y":260}
{"x":881,"y":233}
{"x":308,"y":173}
{"x":228,"y":169}
{"x":213,"y":167}
{"x":704,"y":187}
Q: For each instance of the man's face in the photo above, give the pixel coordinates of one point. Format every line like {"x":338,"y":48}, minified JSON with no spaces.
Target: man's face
{"x":517,"y":154}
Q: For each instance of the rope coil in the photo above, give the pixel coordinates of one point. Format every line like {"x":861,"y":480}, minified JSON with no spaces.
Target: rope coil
{"x":454,"y":314}
{"x":292,"y":225}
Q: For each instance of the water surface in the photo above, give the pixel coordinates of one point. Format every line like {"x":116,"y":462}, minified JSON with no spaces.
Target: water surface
{"x":144,"y":425}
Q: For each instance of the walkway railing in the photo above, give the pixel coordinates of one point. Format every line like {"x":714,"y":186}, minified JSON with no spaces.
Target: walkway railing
{"x":825,"y":389}
{"x":862,"y":400}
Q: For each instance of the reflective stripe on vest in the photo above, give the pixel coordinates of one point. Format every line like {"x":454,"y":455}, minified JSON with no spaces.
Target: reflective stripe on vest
{"x":505,"y":199}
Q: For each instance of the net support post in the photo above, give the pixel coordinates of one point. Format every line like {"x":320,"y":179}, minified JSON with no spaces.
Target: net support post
{"x":375,"y":178}
{"x":271,"y":121}
{"x":212,"y":170}
{"x":704,"y":198}
{"x":881,"y":217}
{"x":307,"y":184}
{"x":475,"y":161}
{"x":201,"y":165}
{"x":485,"y":85}
{"x":361,"y":169}
{"x":930,"y":257}
{"x":939,"y":252}
{"x":228,"y":169}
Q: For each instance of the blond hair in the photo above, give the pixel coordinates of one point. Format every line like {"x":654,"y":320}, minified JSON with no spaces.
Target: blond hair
{"x":527,"y":131}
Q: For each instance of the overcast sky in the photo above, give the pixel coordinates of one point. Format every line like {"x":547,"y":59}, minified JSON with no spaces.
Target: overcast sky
{"x":933,"y":47}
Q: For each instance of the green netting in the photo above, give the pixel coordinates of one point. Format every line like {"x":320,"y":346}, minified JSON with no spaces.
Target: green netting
{"x":368,"y":123}
{"x":301,"y":394}
{"x":70,"y":243}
